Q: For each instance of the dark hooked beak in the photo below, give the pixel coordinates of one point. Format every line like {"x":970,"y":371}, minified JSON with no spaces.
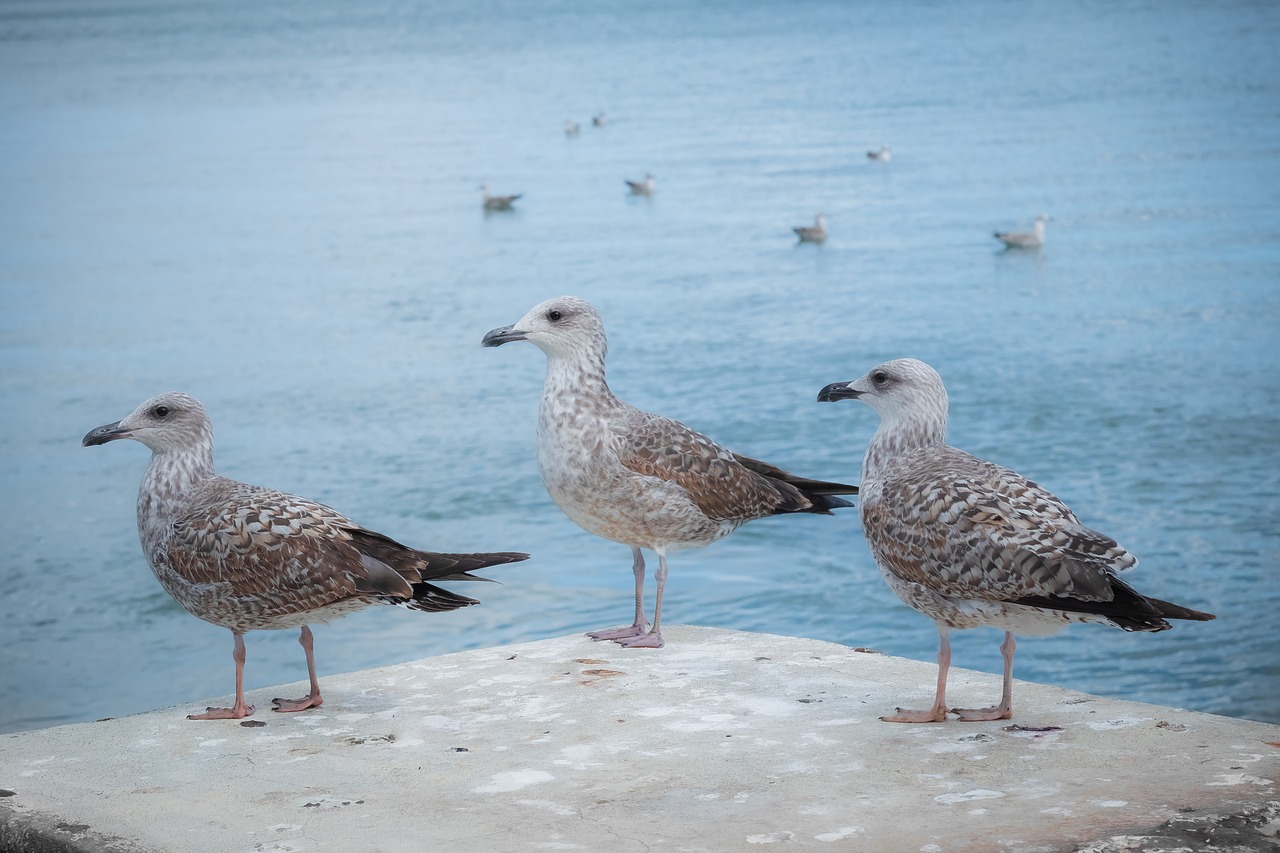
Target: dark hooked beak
{"x":105,"y":433}
{"x":505,"y":335}
{"x":837,"y":391}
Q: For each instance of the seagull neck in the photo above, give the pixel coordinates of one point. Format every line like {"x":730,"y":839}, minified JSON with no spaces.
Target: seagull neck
{"x":575,"y":377}
{"x":899,"y":434}
{"x":171,"y":474}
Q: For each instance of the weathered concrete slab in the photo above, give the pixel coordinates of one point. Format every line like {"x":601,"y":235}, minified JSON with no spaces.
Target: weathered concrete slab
{"x":723,"y":741}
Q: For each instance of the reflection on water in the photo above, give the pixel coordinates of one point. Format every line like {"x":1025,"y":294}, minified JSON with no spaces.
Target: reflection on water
{"x":278,"y":214}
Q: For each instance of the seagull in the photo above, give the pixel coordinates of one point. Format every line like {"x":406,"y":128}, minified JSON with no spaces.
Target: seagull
{"x":637,"y":478}
{"x":883,"y":155}
{"x":645,"y":187}
{"x":598,"y":120}
{"x":969,"y":543}
{"x":815,"y":233}
{"x":571,"y":127}
{"x":1024,"y":239}
{"x":248,"y":558}
{"x":497,"y":202}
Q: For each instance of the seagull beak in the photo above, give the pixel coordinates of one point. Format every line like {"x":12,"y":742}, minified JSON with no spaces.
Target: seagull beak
{"x":504,"y":335}
{"x":838,"y":391}
{"x":105,"y":433}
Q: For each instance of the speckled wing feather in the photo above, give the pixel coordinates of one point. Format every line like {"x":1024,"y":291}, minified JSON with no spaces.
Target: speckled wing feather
{"x":278,"y":548}
{"x":968,"y":528}
{"x":716,"y":482}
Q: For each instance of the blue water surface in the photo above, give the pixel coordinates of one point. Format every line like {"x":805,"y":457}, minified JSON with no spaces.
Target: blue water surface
{"x":275,"y":207}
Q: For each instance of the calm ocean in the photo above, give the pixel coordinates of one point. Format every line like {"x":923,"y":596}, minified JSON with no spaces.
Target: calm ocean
{"x":276,"y":207}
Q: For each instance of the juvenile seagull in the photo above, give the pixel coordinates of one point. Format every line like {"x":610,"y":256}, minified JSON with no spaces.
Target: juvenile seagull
{"x":497,"y":202}
{"x":645,"y":187}
{"x":815,"y":233}
{"x":968,"y":543}
{"x":1033,"y":239}
{"x":636,"y":478}
{"x":884,"y":155}
{"x":248,"y":558}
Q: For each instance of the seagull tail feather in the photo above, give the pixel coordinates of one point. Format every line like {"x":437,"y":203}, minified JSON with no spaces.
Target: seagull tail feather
{"x":1128,"y":609}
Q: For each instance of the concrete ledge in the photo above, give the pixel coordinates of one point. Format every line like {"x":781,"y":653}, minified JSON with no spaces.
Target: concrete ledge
{"x":723,"y":741}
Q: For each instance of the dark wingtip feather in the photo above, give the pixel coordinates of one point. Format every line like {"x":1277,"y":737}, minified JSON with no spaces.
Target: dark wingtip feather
{"x":1176,"y":611}
{"x":806,"y":495}
{"x":433,"y":599}
{"x":1128,"y":609}
{"x":823,"y":504}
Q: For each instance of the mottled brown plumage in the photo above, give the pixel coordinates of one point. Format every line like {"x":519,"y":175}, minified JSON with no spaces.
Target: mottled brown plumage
{"x":249,"y":558}
{"x":638,"y":478}
{"x":969,"y":543}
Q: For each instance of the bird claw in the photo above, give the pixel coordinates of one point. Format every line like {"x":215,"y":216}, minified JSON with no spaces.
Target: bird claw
{"x":620,"y":633}
{"x":904,"y":715}
{"x":289,"y":706}
{"x":237,"y":712}
{"x":651,"y":640}
{"x":983,"y":715}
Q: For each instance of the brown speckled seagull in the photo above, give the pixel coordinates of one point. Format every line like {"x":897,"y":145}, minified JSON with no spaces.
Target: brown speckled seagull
{"x":248,"y":558}
{"x":969,"y":543}
{"x":640,"y":479}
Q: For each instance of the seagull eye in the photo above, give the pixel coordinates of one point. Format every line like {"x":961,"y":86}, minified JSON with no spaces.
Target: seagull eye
{"x":160,"y":411}
{"x":879,"y":377}
{"x":555,"y":316}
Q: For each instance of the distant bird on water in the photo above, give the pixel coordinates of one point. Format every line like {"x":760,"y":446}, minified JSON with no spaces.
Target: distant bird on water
{"x":598,"y":120}
{"x":969,"y":543}
{"x":815,"y":233}
{"x":637,"y":478}
{"x":571,"y":127}
{"x":645,"y":187}
{"x":497,"y":202}
{"x":1033,"y":239}
{"x":884,"y":155}
{"x":248,"y":558}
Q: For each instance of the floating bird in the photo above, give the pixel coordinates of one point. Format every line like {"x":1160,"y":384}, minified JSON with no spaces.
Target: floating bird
{"x":497,"y":202}
{"x":1024,"y":239}
{"x":815,"y":233}
{"x":571,"y":127}
{"x":636,"y":478}
{"x":883,"y":155}
{"x":969,"y":543}
{"x":645,"y":187}
{"x":598,"y":120}
{"x":248,"y":558}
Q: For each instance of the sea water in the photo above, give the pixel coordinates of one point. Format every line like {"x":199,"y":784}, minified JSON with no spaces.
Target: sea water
{"x":276,"y":207}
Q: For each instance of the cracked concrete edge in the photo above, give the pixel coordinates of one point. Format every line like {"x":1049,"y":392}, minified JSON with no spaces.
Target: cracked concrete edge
{"x":32,"y":832}
{"x":1253,"y":830}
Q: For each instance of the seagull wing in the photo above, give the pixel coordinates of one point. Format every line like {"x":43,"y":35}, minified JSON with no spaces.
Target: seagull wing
{"x":968,"y":528}
{"x":717,"y":483}
{"x":285,"y":552}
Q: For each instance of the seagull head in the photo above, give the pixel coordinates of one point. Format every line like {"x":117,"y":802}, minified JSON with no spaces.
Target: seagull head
{"x":171,"y":421}
{"x":902,"y":389}
{"x":559,"y":327}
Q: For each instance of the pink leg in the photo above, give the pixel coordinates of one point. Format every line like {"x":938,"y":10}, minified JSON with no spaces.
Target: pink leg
{"x":938,"y":713}
{"x":241,"y":708}
{"x":1003,"y":711}
{"x":312,"y":700}
{"x":638,"y":627}
{"x":653,"y":639}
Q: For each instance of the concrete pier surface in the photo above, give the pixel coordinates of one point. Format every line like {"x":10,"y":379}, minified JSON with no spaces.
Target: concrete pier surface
{"x":723,"y":741}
